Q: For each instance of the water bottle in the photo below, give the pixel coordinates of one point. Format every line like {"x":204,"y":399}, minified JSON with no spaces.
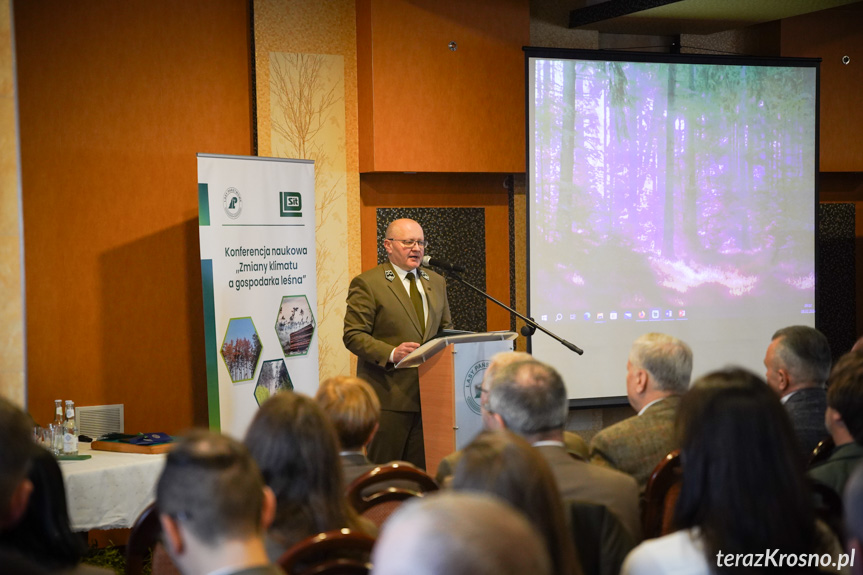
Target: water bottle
{"x":55,"y":429}
{"x":70,"y":430}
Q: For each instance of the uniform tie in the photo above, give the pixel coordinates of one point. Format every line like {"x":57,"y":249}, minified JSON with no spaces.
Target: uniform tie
{"x":417,"y":300}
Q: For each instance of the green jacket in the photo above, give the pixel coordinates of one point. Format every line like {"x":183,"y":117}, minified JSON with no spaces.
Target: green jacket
{"x":379,"y":317}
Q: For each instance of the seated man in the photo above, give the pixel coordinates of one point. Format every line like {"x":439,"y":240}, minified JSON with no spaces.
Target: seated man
{"x":16,"y":452}
{"x":214,"y":507}
{"x":529,"y":399}
{"x":798,"y":362}
{"x":844,"y":421}
{"x":573,"y":442}
{"x":353,"y":407}
{"x":459,"y":534}
{"x":657,"y":374}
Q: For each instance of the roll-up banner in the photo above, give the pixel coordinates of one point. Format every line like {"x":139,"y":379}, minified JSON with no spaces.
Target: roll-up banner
{"x":257,"y":232}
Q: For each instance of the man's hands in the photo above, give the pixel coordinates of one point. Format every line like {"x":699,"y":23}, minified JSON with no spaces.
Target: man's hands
{"x":402,"y":350}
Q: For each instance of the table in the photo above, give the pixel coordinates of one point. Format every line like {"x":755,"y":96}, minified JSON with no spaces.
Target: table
{"x":109,"y":490}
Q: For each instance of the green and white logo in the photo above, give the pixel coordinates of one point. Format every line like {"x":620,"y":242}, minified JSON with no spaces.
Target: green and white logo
{"x":233,"y":203}
{"x":290,"y":204}
{"x":473,"y":385}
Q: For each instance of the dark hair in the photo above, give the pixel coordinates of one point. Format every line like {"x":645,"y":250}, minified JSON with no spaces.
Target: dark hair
{"x":16,"y":450}
{"x":295,"y":446}
{"x":43,"y":534}
{"x":804,"y":352}
{"x":743,"y":483}
{"x":530,"y":397}
{"x":845,"y":392}
{"x":212,"y":486}
{"x":505,"y":465}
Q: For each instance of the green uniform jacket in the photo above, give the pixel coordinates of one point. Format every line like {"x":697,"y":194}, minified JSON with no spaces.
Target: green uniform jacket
{"x":379,"y":317}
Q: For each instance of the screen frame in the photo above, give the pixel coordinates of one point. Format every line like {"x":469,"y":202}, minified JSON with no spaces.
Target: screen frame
{"x":660,"y":58}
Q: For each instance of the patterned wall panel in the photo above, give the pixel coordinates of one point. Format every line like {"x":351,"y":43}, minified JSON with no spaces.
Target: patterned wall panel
{"x":836,"y":303}
{"x":456,"y":235}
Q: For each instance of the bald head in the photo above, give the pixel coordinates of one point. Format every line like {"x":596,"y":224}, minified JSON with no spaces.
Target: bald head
{"x":407,"y":257}
{"x":459,"y":534}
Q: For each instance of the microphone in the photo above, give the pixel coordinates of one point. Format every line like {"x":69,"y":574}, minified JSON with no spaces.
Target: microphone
{"x":438,"y":263}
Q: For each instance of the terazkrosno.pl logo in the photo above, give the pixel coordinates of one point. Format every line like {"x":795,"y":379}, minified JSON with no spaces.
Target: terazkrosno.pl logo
{"x":290,"y":204}
{"x":233,"y":203}
{"x":473,"y":385}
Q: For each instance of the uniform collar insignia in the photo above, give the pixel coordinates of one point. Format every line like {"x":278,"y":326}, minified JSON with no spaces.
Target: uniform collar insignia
{"x":424,"y":275}
{"x":390,"y":275}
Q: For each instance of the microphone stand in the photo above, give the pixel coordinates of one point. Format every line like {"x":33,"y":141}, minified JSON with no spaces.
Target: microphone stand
{"x":532,"y":326}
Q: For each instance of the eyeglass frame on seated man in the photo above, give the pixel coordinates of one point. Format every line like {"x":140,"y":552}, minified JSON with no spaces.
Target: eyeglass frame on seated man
{"x":411,"y":243}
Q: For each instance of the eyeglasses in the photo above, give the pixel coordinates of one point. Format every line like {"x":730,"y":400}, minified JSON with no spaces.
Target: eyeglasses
{"x":411,"y":243}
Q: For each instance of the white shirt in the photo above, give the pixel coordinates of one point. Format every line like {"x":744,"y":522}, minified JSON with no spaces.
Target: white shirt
{"x":678,"y":553}
{"x":643,"y":409}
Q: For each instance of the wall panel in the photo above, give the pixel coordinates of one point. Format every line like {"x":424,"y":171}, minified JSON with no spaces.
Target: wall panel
{"x":116,"y":98}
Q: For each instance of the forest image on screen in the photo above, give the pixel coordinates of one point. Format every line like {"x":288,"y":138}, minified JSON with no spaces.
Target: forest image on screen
{"x":681,"y":186}
{"x":671,"y":195}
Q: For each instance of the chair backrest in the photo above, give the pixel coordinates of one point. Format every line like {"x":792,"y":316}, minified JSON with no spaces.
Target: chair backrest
{"x":660,"y":496}
{"x":144,"y":542}
{"x":339,"y":552}
{"x":380,"y":491}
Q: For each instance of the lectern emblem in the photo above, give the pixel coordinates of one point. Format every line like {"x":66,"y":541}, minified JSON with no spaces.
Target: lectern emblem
{"x":473,"y":385}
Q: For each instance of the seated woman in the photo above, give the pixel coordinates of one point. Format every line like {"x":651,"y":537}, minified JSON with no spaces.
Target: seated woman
{"x":296,"y":449}
{"x":505,"y":465}
{"x":743,"y":493}
{"x":43,"y":534}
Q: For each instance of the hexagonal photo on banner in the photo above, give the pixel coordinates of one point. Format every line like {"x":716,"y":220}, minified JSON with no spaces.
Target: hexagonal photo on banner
{"x":295,"y":325}
{"x":274,"y":377}
{"x":241,"y":349}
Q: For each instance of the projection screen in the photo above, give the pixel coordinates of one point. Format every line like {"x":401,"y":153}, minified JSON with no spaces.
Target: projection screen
{"x":667,"y":194}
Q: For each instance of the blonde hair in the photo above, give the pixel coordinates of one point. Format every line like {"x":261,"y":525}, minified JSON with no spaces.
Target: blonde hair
{"x":352,"y":406}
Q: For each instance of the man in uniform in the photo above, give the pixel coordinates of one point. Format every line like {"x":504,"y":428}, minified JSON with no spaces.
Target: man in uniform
{"x":391,"y":310}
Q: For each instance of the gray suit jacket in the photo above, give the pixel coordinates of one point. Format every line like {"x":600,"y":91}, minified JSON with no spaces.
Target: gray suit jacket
{"x":806,"y":409}
{"x":580,"y":481}
{"x":379,"y":317}
{"x":636,"y":445}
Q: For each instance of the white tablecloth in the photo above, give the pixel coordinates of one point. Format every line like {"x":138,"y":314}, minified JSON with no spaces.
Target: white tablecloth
{"x":109,"y":490}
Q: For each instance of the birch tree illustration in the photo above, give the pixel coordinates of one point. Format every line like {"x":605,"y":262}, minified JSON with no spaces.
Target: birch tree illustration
{"x":306,"y":95}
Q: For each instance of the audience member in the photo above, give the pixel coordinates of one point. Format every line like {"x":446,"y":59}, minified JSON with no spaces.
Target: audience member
{"x":213,"y":507}
{"x":295,"y":446}
{"x":798,"y":363}
{"x":657,"y":374}
{"x":572,"y":441}
{"x":505,"y":465}
{"x":853,"y":500}
{"x":858,"y":345}
{"x":353,"y":408}
{"x":743,"y":492}
{"x":529,"y":399}
{"x":17,"y":450}
{"x":844,"y":421}
{"x":459,"y":534}
{"x":43,"y":534}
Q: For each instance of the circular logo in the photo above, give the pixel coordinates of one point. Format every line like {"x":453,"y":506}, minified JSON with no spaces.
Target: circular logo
{"x":473,"y":385}
{"x":233,"y":203}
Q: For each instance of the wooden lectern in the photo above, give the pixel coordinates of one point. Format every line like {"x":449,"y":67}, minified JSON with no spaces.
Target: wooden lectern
{"x":450,"y":372}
